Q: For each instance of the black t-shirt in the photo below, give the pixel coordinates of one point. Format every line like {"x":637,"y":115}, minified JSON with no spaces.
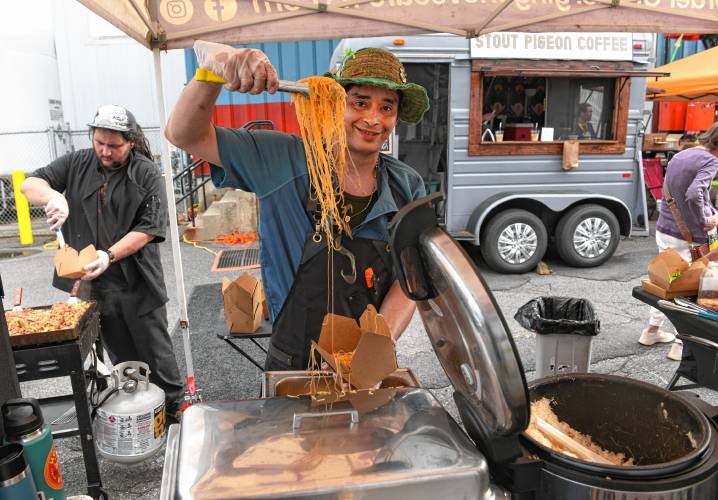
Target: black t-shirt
{"x":356,"y":207}
{"x":134,"y":201}
{"x":109,"y":204}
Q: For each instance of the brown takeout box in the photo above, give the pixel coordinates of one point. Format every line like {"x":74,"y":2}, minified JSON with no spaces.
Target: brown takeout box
{"x":374,"y":352}
{"x":670,"y":275}
{"x":69,"y":263}
{"x":242,"y":303}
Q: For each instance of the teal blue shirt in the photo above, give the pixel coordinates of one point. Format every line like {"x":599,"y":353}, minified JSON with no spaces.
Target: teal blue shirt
{"x":273,"y":166}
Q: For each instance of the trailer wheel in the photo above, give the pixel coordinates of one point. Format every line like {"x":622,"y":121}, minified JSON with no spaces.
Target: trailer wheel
{"x":513,"y":241}
{"x":587,"y":236}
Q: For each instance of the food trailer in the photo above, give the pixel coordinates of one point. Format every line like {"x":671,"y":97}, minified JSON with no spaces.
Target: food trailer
{"x":505,"y":115}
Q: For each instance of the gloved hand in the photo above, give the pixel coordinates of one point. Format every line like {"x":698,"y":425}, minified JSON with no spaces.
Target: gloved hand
{"x":56,"y":210}
{"x":245,"y":70}
{"x":97,"y":267}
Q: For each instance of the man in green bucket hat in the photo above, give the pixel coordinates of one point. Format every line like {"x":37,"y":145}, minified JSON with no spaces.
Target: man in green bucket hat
{"x":298,"y":272}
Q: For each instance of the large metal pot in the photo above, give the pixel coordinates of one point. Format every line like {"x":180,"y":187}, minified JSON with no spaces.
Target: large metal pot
{"x":673,"y":444}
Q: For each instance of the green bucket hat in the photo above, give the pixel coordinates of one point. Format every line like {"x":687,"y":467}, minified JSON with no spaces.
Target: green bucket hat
{"x":381,"y":68}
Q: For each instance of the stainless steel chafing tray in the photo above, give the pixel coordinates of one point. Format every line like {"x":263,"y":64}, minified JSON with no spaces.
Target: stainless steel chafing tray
{"x":297,"y":382}
{"x":404,"y":445}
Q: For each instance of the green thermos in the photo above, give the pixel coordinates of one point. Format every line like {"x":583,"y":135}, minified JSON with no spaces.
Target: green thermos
{"x":24,"y":425}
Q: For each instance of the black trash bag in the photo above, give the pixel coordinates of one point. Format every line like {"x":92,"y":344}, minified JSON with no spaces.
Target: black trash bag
{"x":548,"y":315}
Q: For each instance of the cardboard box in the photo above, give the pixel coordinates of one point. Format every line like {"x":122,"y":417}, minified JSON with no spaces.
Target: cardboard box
{"x":671,"y":273}
{"x":369,"y":344}
{"x":69,"y":263}
{"x":265,"y":308}
{"x":661,"y":293}
{"x":242,"y":303}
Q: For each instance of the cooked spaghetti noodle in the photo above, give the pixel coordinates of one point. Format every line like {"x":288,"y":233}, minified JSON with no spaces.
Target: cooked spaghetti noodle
{"x":321,"y":125}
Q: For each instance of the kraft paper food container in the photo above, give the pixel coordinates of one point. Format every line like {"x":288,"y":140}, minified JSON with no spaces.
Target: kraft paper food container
{"x":242,"y":303}
{"x":265,"y":309}
{"x":374,"y":353}
{"x":673,"y":274}
{"x":69,"y":263}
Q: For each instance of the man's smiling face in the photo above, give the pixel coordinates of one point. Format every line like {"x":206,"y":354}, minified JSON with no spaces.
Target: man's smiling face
{"x":371,"y":114}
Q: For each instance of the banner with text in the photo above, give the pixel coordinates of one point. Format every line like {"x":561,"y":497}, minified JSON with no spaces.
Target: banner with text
{"x":574,"y":46}
{"x":180,"y":22}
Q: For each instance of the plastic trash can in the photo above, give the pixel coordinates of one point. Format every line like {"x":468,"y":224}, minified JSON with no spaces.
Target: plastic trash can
{"x":565,"y":327}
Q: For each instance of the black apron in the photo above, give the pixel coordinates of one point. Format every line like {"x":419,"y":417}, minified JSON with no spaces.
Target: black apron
{"x":300,"y":319}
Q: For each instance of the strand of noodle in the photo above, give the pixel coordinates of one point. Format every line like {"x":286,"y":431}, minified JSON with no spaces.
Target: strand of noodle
{"x":321,"y":125}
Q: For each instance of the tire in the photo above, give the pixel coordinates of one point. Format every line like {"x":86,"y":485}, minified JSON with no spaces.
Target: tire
{"x":499,"y":246}
{"x":587,"y":236}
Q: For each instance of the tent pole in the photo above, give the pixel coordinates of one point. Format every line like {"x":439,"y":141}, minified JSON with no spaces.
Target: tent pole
{"x":192,"y":397}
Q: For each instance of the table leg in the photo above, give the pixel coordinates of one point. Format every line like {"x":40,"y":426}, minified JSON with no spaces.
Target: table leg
{"x":259,"y":345}
{"x":247,"y":356}
{"x":674,"y":381}
{"x":84,"y":425}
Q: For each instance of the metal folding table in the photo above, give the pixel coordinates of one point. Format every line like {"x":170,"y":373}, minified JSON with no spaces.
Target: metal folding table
{"x":699,"y":363}
{"x":264,"y":331}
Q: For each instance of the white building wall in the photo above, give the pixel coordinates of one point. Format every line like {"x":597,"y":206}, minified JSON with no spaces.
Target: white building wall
{"x":60,"y":50}
{"x":29,"y":82}
{"x":98,"y":64}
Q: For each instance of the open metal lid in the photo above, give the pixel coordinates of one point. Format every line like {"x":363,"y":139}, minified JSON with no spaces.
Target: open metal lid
{"x":465,"y":325}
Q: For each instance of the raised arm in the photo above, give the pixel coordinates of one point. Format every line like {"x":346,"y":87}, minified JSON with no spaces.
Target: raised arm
{"x":190,"y":124}
{"x":245,"y":70}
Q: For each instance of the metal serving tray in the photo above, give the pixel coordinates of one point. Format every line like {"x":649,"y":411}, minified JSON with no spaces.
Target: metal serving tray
{"x":399,"y":444}
{"x":297,"y":382}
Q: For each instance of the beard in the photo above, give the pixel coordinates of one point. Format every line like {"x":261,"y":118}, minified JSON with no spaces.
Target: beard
{"x":113,"y":164}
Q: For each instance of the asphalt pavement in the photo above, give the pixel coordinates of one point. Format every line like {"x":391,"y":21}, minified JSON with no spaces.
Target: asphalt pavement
{"x":224,"y":374}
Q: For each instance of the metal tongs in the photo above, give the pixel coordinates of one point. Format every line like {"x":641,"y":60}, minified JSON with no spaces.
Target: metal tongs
{"x":205,"y":75}
{"x":684,"y":305}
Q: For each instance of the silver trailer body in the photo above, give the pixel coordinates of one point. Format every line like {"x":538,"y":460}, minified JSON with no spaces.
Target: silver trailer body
{"x":478,"y":188}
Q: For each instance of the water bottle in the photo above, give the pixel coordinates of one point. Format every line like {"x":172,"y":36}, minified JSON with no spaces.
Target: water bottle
{"x":15,"y":477}
{"x":24,"y":425}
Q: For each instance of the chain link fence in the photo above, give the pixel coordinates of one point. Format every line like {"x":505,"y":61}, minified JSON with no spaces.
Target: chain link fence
{"x":30,"y":150}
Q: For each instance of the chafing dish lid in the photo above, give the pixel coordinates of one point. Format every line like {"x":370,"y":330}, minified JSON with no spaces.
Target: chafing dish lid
{"x":257,"y":449}
{"x":463,"y":321}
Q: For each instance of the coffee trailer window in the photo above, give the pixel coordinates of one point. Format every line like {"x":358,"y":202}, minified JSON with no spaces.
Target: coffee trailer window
{"x":522,"y":111}
{"x":519,"y":108}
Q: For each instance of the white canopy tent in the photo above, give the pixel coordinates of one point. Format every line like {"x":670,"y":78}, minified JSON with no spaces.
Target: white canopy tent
{"x":171,"y":24}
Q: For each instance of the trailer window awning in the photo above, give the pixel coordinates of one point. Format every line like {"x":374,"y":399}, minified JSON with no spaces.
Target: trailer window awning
{"x":556,"y":68}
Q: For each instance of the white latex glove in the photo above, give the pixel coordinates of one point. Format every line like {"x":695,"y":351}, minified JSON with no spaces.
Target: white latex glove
{"x":97,"y":267}
{"x":245,"y":70}
{"x":57,"y":211}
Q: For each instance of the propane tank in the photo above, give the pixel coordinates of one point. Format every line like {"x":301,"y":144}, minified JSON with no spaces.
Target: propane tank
{"x":129,"y":423}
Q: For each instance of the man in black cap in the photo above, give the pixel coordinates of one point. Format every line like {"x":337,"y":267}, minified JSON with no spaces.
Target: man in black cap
{"x":112,"y":196}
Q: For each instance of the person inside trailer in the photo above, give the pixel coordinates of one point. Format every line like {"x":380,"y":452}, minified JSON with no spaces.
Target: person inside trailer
{"x":583,"y":127}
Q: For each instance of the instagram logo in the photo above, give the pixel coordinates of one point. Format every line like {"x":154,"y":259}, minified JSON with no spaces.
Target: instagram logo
{"x":176,"y":8}
{"x":176,"y":11}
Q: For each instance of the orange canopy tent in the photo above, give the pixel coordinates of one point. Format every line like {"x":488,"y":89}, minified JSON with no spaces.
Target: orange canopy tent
{"x":694,"y":78}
